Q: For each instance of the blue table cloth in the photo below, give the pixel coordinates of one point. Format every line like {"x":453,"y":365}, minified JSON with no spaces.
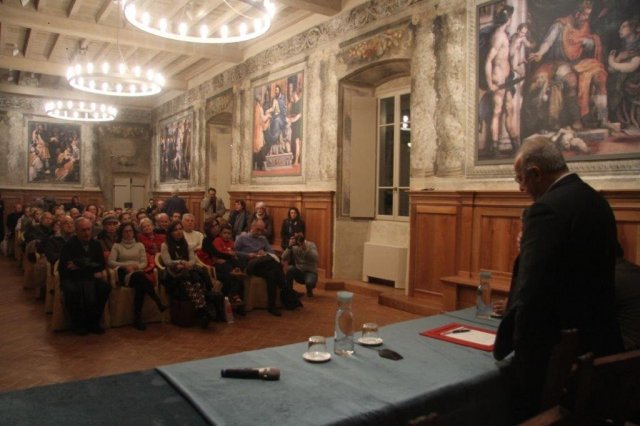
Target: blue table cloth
{"x":463,"y":385}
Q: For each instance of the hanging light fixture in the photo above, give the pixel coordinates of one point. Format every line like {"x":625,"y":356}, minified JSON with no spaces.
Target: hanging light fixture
{"x":80,"y":111}
{"x":120,"y":80}
{"x":249,"y":19}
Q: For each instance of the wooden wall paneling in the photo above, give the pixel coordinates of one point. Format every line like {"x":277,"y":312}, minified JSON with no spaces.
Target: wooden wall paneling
{"x":318,"y":212}
{"x":626,"y":208}
{"x":495,"y":234}
{"x":487,"y":226}
{"x":434,"y":237}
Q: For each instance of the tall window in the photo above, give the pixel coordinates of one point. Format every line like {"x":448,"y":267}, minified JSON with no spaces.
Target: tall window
{"x":394,"y":155}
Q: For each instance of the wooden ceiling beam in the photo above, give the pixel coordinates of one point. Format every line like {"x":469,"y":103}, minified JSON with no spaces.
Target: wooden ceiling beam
{"x":96,"y":32}
{"x":105,"y":10}
{"x":27,"y":47}
{"x":74,"y":6}
{"x":322,"y":7}
{"x":57,"y":44}
{"x":179,"y":65}
{"x":41,"y":67}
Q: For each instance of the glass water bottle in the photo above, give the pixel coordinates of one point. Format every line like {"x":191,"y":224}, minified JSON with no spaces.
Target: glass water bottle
{"x":483,"y":298}
{"x":343,"y":342}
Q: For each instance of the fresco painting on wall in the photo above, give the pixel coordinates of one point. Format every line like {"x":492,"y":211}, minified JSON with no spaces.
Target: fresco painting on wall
{"x":568,"y":70}
{"x":53,"y":153}
{"x":277,"y":127}
{"x":175,"y":147}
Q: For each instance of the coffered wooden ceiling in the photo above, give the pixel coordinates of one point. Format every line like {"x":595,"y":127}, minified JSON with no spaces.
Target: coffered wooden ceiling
{"x":40,"y":38}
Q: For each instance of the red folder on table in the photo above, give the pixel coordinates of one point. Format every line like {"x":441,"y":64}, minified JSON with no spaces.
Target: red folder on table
{"x":463,"y":334}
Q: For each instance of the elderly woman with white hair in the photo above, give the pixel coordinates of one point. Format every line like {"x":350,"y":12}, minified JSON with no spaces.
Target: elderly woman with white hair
{"x":194,"y":238}
{"x":261,"y":214}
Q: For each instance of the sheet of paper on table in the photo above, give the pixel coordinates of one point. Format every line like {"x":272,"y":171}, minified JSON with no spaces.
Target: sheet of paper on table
{"x":473,"y":336}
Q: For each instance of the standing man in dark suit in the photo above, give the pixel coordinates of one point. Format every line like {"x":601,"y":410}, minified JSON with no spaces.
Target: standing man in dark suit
{"x":565,"y":275}
{"x":175,"y":204}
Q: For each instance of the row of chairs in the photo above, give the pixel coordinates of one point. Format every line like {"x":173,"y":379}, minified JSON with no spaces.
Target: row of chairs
{"x":119,"y":309}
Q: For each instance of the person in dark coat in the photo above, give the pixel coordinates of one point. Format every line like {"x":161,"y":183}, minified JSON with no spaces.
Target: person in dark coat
{"x":85,"y":293}
{"x":565,"y":275}
{"x":175,"y":204}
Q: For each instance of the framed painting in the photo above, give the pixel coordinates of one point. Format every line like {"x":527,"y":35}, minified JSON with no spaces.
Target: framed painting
{"x":175,"y":147}
{"x":278,"y":126}
{"x":565,"y":69}
{"x":54,"y":152}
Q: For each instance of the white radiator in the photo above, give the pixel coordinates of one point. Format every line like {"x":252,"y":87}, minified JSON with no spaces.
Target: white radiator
{"x":385,"y":262}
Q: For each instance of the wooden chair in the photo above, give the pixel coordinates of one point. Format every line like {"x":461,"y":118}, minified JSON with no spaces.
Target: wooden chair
{"x":560,"y":371}
{"x":121,"y":300}
{"x":59,"y":317}
{"x":211,"y":271}
{"x":608,"y":389}
{"x":28,"y":281}
{"x":17,"y":247}
{"x":158,"y":273}
{"x":255,"y":293}
{"x":50,"y":288}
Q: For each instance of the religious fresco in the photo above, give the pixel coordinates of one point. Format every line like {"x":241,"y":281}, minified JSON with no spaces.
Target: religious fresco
{"x":53,"y":152}
{"x":565,"y":69}
{"x":175,"y":147}
{"x":277,"y":126}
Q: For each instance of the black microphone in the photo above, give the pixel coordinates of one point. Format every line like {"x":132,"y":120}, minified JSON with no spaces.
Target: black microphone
{"x":264,"y":373}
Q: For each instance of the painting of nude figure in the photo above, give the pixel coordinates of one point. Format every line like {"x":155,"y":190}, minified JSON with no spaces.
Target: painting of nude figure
{"x":53,"y":153}
{"x":277,"y":127}
{"x":565,"y":69}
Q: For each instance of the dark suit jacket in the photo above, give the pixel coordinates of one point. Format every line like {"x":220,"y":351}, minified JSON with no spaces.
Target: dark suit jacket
{"x":565,"y":276}
{"x":88,"y":261}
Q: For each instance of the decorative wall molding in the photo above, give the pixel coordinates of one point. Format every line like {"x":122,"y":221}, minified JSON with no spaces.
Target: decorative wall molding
{"x":353,"y":20}
{"x":31,"y":105}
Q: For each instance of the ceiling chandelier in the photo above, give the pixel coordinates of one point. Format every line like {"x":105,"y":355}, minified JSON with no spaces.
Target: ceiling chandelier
{"x":80,"y":111}
{"x":243,"y":20}
{"x":120,"y":80}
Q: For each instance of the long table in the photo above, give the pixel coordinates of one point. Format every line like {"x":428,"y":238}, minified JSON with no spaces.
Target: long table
{"x":463,"y":385}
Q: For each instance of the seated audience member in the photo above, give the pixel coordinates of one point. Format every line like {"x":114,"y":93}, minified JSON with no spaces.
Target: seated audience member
{"x":52,"y":246}
{"x":261,"y":214}
{"x":74,"y":204}
{"x":628,"y":300}
{"x":239,"y":218}
{"x":291,"y":226}
{"x":303,"y":258}
{"x":212,"y":205}
{"x":183,"y":276}
{"x":219,"y":246}
{"x":129,"y":258}
{"x":193,"y":237}
{"x":74,"y":213}
{"x":125,"y":217}
{"x":160,"y":206}
{"x":92,"y":208}
{"x":152,"y":243}
{"x":85,"y":292}
{"x":162,"y":223}
{"x":176,"y":217}
{"x":40,"y":230}
{"x":141,"y":214}
{"x":255,"y":251}
{"x":107,"y":237}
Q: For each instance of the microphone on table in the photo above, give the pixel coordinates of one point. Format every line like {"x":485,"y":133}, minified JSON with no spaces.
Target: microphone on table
{"x":264,"y":373}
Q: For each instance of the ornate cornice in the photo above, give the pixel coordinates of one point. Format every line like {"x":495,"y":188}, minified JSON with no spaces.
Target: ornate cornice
{"x":32,"y":105}
{"x":353,"y":20}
